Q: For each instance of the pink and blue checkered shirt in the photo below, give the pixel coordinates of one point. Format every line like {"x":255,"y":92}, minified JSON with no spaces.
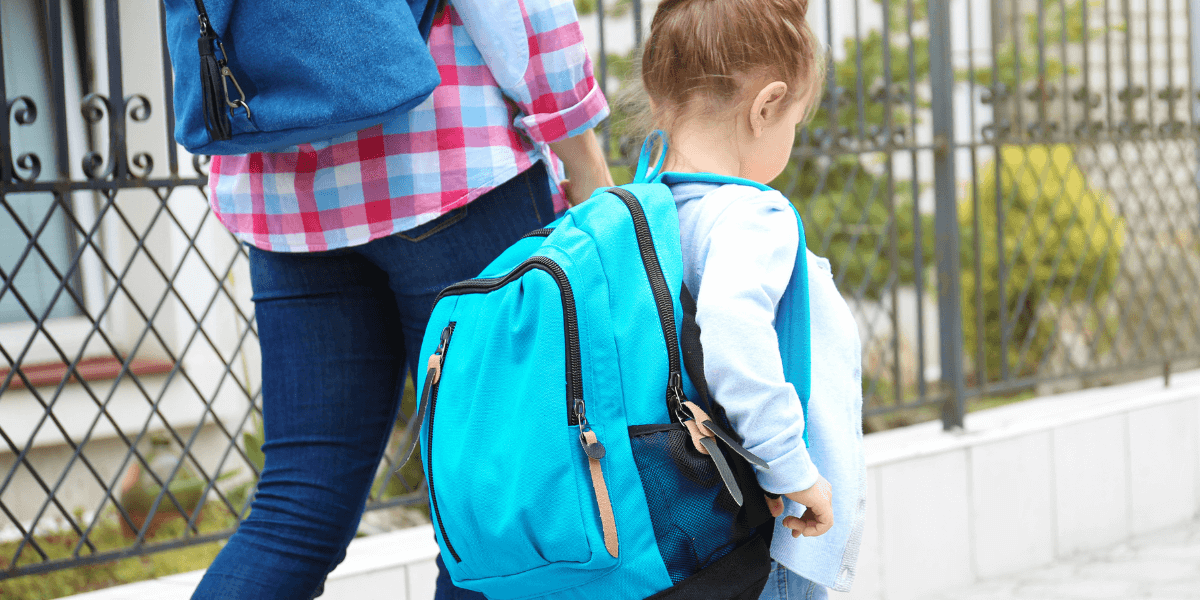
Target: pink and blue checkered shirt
{"x":489,"y":120}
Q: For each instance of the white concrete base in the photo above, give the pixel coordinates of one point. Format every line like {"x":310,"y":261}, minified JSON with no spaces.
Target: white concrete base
{"x":1023,"y":486}
{"x":1027,"y":484}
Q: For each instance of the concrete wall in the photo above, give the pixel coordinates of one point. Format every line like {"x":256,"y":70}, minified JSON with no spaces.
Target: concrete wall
{"x":1025,"y":485}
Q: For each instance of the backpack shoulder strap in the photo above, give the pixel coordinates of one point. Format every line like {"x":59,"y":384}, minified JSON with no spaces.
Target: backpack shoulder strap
{"x":793,"y":327}
{"x":792,"y":317}
{"x":670,"y":177}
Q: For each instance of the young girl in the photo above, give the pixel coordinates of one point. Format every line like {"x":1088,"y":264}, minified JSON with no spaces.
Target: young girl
{"x":729,"y":81}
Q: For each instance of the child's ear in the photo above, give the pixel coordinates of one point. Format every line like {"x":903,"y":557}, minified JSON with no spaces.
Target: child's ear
{"x":767,"y":106}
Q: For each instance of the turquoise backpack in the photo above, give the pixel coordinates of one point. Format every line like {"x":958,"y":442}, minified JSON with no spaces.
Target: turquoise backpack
{"x":567,"y":452}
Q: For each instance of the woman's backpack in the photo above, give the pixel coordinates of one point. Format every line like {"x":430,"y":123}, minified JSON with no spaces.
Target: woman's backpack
{"x":263,"y":75}
{"x":569,"y":445}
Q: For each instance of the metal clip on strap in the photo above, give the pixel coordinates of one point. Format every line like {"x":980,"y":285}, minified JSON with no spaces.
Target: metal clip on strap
{"x":226,"y":77}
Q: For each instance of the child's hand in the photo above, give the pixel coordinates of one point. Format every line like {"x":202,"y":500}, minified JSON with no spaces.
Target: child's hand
{"x":817,"y":519}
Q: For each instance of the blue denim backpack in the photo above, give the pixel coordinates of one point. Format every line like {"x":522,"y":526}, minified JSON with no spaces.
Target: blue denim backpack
{"x":269,"y":74}
{"x":567,"y":453}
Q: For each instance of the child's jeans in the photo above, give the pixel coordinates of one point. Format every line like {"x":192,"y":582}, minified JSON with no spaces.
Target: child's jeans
{"x":786,"y":585}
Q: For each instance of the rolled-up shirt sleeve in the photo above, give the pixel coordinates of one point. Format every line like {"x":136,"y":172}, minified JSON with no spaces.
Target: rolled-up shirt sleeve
{"x":535,"y":50}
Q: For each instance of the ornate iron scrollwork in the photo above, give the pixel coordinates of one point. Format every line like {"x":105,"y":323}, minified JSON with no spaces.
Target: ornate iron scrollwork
{"x":28,"y":162}
{"x":1041,"y":129}
{"x":137,"y":107}
{"x":141,"y":165}
{"x":1081,"y":96}
{"x":1170,"y":94}
{"x":996,"y":131}
{"x":1134,"y":129}
{"x":139,"y":112}
{"x":95,"y":108}
{"x":1089,"y":130}
{"x":23,"y":111}
{"x":994,"y":94}
{"x":1129,"y":94}
{"x":199,"y":161}
{"x":1042,"y":93}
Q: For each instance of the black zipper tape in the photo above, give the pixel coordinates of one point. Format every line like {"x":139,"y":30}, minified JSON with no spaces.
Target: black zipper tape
{"x":538,"y":233}
{"x":570,"y":319}
{"x":662,"y":300}
{"x":445,"y":346}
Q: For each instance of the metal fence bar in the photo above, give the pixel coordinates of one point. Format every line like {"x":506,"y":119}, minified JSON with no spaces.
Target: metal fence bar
{"x":889,"y":136}
{"x":6,"y":158}
{"x":918,"y":257}
{"x":58,"y":83}
{"x":949,"y":285}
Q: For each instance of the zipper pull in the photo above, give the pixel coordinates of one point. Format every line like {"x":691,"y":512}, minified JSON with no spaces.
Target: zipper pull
{"x":587,"y":438}
{"x":434,"y":372}
{"x":608,"y":521}
{"x":432,"y":377}
{"x":441,"y":349}
{"x":676,"y":396}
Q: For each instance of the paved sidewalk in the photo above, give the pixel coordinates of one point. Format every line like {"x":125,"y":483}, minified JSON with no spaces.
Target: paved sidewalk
{"x":1162,"y":566}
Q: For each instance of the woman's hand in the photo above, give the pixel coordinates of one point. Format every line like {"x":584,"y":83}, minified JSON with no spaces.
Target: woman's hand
{"x":817,"y":519}
{"x":584,"y":160}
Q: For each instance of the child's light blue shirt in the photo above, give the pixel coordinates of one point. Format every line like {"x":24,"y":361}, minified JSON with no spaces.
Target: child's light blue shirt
{"x":739,"y":248}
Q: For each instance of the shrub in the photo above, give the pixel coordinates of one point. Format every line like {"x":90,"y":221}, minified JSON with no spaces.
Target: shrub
{"x":847,"y":219}
{"x":1062,"y":245}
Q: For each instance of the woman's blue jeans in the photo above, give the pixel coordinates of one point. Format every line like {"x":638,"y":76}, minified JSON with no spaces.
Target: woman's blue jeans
{"x":339,"y":331}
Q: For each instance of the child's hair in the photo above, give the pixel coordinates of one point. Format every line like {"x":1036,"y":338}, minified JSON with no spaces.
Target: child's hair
{"x":700,"y":54}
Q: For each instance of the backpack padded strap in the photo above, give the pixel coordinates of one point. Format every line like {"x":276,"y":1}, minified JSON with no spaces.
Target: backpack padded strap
{"x":740,"y":575}
{"x":793,"y":328}
{"x":689,"y":344}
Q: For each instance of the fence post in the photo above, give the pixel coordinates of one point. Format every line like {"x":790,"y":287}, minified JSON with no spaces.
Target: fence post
{"x":1193,"y":93}
{"x":946,"y":215}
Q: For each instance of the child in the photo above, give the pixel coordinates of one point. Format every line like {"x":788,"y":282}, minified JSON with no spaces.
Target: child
{"x":729,"y":81}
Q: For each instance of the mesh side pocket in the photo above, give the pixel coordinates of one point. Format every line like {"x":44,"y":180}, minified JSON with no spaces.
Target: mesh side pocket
{"x":695,"y":520}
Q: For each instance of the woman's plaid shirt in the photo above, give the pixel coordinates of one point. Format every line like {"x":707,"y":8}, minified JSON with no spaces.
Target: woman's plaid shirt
{"x":490,"y":119}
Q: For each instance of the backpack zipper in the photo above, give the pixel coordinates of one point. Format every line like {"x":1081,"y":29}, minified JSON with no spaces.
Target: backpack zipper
{"x":576,"y":409}
{"x":441,"y":351}
{"x":662,"y":299}
{"x":570,"y":320}
{"x":544,"y":232}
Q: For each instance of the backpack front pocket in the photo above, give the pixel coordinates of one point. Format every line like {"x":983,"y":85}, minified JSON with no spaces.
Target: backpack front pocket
{"x":512,"y":487}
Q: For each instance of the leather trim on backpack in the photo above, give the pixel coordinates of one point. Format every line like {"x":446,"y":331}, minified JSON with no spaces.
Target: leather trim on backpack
{"x":607,"y":520}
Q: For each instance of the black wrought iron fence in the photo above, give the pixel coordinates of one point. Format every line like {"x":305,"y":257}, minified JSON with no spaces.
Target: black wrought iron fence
{"x":1006,"y":190}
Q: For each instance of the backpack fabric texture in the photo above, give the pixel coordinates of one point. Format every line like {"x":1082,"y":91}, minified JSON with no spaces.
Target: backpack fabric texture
{"x":309,"y":71}
{"x":556,"y":452}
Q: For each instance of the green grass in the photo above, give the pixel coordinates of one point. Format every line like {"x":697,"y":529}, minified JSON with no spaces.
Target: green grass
{"x":108,"y":536}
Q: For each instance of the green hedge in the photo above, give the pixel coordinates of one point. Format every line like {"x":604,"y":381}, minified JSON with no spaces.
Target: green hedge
{"x":1062,"y":244}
